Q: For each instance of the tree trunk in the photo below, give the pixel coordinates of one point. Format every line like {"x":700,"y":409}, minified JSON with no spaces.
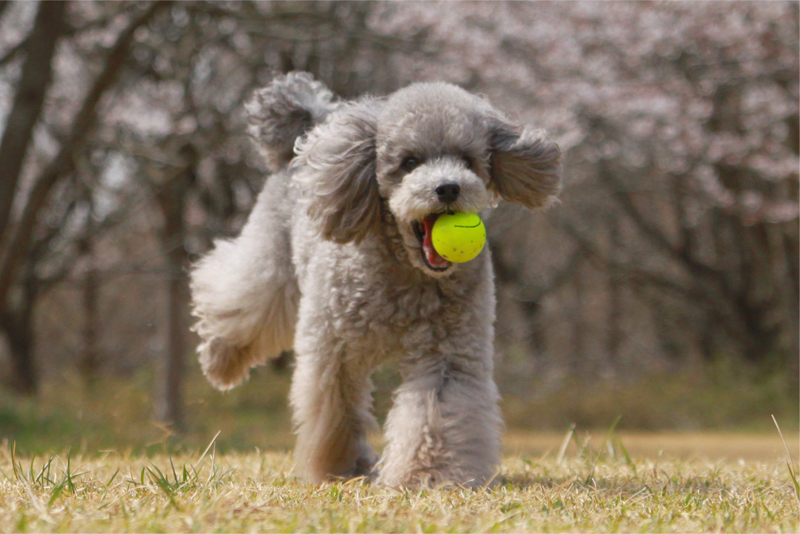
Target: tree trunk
{"x":171,"y":402}
{"x":36,"y":74}
{"x":18,"y":327}
{"x":615,"y":306}
{"x":578,"y":358}
{"x":90,"y":362}
{"x":536,"y":336}
{"x":25,"y":379}
{"x":171,"y":198}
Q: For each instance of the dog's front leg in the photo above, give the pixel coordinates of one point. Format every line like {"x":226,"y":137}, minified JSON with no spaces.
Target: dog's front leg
{"x":331,"y":398}
{"x":444,"y":426}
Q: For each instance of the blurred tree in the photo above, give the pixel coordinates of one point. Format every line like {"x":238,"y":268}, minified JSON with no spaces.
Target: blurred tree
{"x":161,"y":122}
{"x":20,"y":243}
{"x":39,"y":48}
{"x":698,"y":153}
{"x":676,"y":241}
{"x":680,"y":124}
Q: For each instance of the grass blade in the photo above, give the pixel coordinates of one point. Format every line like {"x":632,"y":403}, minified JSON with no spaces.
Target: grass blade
{"x":789,"y":461}
{"x":563,"y":449}
{"x":213,"y":440}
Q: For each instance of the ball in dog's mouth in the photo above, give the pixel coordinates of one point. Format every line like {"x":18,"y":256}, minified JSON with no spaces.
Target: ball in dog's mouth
{"x":431,"y":258}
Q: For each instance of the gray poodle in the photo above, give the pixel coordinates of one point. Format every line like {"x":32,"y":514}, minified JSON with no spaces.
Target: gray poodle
{"x":336,"y":262}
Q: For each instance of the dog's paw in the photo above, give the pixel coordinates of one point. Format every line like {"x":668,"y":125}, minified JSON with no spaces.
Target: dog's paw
{"x":224,"y":365}
{"x":365,"y":463}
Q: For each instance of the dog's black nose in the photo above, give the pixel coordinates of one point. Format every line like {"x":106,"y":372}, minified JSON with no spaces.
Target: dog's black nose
{"x":448,"y":193}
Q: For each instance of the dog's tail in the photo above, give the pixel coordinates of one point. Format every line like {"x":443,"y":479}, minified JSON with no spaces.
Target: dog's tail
{"x":285,"y":110}
{"x":244,"y":292}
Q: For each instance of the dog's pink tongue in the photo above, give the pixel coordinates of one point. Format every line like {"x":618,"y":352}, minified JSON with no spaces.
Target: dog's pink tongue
{"x":432,"y":256}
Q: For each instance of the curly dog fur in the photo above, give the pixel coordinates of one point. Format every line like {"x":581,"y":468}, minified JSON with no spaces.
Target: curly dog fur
{"x":335,"y":263}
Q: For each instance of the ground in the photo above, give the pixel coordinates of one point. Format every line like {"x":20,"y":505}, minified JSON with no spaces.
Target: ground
{"x":605,"y":482}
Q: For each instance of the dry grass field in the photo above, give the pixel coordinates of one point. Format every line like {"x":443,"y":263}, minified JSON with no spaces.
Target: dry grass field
{"x":605,"y":483}
{"x":125,"y":473}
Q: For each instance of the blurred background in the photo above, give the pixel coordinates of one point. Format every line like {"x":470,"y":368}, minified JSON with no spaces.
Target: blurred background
{"x":662,"y":290}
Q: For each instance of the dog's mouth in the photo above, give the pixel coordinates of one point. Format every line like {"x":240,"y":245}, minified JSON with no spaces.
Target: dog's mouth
{"x":432,"y":259}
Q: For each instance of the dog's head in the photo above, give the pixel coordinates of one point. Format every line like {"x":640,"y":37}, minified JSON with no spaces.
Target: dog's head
{"x":427,"y":149}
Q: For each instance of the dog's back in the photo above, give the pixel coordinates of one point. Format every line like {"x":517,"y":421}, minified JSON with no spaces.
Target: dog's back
{"x":245,"y":319}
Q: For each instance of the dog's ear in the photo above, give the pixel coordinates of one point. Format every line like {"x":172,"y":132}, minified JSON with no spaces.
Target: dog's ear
{"x":525,"y":166}
{"x":340,"y":159}
{"x":283,"y":111}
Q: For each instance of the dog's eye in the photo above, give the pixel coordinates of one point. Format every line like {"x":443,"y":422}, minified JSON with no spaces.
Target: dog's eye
{"x":409,"y":164}
{"x":470,"y":163}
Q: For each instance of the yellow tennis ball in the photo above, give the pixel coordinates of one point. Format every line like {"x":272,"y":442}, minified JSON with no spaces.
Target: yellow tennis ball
{"x":458,"y":237}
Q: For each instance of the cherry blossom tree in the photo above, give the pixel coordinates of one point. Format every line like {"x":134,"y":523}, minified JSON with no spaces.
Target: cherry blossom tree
{"x":676,"y":240}
{"x":680,"y":127}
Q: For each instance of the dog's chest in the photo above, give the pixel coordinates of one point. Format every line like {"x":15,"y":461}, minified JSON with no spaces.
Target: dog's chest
{"x":394,"y":314}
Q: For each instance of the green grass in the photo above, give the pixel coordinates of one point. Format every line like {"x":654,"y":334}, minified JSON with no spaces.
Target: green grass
{"x":118,"y":413}
{"x":720,"y":396}
{"x":605,"y":490}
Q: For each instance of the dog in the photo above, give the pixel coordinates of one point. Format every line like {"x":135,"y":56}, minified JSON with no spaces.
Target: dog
{"x":336,"y":262}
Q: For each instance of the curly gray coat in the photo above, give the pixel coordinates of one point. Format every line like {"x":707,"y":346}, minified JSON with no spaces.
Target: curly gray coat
{"x":335,"y":261}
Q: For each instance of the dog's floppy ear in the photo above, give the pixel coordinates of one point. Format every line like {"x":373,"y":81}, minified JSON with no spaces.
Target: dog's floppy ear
{"x":340,"y":159}
{"x":525,"y":166}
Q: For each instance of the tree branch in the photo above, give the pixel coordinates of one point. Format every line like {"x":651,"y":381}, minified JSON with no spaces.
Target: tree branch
{"x":13,"y":51}
{"x":29,"y":100}
{"x":654,"y":234}
{"x":628,"y":269}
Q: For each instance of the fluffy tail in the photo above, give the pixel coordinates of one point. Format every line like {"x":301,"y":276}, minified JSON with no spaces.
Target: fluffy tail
{"x":244,"y":292}
{"x":285,"y":110}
